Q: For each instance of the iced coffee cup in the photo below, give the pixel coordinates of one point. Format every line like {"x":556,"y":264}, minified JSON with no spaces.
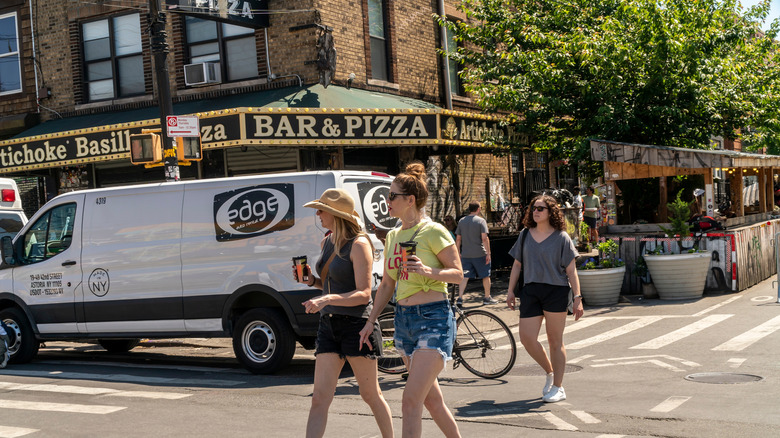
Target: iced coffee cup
{"x":300,"y":263}
{"x":408,"y":249}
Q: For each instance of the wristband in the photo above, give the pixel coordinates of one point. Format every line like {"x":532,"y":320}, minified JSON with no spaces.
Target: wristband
{"x":313,"y":282}
{"x":577,"y":296}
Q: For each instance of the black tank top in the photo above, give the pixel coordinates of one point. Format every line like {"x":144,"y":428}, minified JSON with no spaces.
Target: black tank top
{"x":341,"y":279}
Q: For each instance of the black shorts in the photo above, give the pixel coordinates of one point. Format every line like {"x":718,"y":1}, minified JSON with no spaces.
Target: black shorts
{"x":340,"y":334}
{"x":537,"y":298}
{"x":590,"y":221}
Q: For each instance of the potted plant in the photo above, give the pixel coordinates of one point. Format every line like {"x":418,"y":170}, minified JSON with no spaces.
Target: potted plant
{"x":583,"y":244}
{"x":602,"y":280}
{"x":681,"y":275}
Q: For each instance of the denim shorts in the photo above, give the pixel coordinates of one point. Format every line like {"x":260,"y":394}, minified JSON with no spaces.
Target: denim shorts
{"x":340,"y":334}
{"x":475,"y":267}
{"x":429,"y":326}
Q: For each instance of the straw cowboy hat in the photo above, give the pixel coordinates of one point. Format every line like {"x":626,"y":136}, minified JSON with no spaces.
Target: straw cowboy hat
{"x":338,"y":203}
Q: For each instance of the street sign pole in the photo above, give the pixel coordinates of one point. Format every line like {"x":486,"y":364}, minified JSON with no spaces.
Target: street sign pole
{"x":160,"y":55}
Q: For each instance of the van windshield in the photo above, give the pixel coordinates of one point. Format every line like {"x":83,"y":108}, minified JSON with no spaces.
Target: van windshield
{"x":10,"y":224}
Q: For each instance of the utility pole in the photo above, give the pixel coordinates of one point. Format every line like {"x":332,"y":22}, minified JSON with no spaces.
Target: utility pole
{"x":160,"y":54}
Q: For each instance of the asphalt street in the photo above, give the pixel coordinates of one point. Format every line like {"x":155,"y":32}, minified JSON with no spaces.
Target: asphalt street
{"x":642,"y":368}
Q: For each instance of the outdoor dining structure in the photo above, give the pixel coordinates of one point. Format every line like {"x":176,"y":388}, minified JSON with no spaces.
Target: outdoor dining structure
{"x":743,"y":253}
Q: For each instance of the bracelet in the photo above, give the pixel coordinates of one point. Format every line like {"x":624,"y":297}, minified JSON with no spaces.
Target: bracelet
{"x":577,"y":296}
{"x":313,"y":282}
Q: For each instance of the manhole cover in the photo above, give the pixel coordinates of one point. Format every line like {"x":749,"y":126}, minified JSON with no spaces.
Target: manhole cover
{"x":723,"y":378}
{"x":532,"y":369}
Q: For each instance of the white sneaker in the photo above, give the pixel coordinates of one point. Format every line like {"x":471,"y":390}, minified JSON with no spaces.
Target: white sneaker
{"x":556,"y":394}
{"x":548,"y":384}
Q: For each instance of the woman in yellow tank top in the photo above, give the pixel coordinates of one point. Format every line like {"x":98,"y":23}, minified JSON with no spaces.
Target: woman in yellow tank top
{"x":424,"y":323}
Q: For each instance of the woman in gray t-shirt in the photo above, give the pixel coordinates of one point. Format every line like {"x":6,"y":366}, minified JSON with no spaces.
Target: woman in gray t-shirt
{"x":547,"y":259}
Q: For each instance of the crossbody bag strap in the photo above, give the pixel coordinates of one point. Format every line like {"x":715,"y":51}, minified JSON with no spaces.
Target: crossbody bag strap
{"x":522,"y":243}
{"x":325,"y":269}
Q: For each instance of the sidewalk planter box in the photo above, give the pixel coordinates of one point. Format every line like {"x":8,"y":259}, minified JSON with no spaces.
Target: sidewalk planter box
{"x":601,"y":287}
{"x":679,"y":276}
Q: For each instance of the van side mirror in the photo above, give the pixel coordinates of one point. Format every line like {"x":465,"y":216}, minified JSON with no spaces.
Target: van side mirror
{"x":7,"y":251}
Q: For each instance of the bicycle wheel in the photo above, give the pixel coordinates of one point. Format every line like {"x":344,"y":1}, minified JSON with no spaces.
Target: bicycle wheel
{"x":485,"y":344}
{"x":390,"y":362}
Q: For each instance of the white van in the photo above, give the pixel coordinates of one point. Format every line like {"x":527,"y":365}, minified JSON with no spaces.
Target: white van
{"x":204,"y":258}
{"x":12,"y":217}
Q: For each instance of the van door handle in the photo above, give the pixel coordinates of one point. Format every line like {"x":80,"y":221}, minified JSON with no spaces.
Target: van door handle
{"x":68,"y":263}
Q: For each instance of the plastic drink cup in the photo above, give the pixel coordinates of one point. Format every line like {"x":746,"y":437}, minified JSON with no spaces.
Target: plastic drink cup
{"x":300,"y":267}
{"x":408,"y":249}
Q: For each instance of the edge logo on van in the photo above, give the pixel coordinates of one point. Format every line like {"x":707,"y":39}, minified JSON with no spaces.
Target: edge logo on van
{"x":374,"y":201}
{"x":253,"y":211}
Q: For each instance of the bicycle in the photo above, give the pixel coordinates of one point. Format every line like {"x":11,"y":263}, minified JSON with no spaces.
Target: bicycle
{"x":483,"y":344}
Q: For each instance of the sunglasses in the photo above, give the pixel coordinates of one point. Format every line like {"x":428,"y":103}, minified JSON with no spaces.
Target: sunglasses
{"x":393,"y":195}
{"x":540,"y":208}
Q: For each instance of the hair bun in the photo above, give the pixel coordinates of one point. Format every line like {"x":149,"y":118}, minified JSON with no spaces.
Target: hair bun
{"x":416,"y":169}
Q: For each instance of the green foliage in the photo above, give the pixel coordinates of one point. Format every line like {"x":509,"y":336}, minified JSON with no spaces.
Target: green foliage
{"x":584,"y":232}
{"x":679,"y":213}
{"x":665,"y":72}
{"x":608,"y":258}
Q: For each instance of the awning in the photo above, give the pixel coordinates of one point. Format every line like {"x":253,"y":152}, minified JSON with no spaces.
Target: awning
{"x":309,"y":116}
{"x":641,"y":156}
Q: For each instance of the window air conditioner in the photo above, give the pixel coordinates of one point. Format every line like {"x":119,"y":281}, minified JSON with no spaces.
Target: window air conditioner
{"x":202,"y":73}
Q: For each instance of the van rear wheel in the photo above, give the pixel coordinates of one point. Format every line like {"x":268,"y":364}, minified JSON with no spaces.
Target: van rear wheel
{"x":119,"y":345}
{"x":263,"y":341}
{"x":23,"y":346}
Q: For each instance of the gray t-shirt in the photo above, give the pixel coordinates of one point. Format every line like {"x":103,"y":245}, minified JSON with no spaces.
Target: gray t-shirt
{"x":545,"y":261}
{"x":470,"y":229}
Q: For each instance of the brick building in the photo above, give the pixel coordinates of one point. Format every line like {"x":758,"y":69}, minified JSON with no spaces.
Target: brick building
{"x":83,"y":81}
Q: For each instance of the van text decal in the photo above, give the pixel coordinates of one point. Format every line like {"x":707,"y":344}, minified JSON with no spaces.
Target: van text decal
{"x":253,"y":211}
{"x":99,"y":282}
{"x":46,"y":284}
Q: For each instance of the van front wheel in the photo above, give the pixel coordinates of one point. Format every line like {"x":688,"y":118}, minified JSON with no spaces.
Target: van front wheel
{"x":23,"y":346}
{"x":263,"y":341}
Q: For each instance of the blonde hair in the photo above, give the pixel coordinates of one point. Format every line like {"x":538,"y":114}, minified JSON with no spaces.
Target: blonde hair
{"x":344,"y":231}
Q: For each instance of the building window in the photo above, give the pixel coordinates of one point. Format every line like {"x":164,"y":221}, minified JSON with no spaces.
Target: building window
{"x":113,"y":60}
{"x":232,"y":46}
{"x":456,"y":86}
{"x":377,"y":31}
{"x":10,"y":66}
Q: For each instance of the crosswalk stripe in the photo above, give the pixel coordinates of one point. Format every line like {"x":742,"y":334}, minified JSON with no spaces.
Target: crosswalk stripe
{"x":670,"y":404}
{"x":70,"y":389}
{"x":634,"y":325}
{"x":711,"y":308}
{"x":739,"y":343}
{"x":123,"y":378}
{"x":557,"y":422}
{"x":59,"y":407}
{"x":681,"y":333}
{"x":586,"y":417}
{"x":15,"y":432}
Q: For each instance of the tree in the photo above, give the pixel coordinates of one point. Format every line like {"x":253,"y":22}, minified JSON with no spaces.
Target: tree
{"x":670,"y":72}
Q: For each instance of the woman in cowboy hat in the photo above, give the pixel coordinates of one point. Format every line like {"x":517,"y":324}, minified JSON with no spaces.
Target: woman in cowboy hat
{"x":424,"y":323}
{"x":344,"y":270}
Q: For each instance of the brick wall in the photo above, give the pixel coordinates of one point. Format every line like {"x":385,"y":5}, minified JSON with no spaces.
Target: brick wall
{"x":23,"y":102}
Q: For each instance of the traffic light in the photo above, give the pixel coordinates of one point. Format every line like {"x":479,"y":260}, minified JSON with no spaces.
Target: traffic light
{"x":189,"y":149}
{"x":145,"y":148}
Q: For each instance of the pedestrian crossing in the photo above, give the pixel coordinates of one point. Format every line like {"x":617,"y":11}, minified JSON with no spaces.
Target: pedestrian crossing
{"x":601,"y":329}
{"x":87,"y":407}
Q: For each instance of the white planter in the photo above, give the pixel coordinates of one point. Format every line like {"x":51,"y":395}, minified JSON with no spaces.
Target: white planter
{"x":679,"y":276}
{"x":601,"y":287}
